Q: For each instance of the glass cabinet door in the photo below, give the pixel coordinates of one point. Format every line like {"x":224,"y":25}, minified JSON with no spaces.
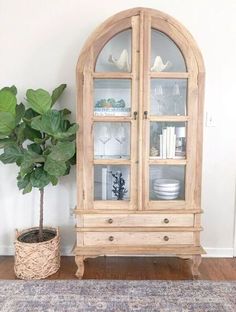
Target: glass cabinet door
{"x":165,"y":55}
{"x":168,"y":97}
{"x":116,"y":54}
{"x":114,"y":132}
{"x":167,"y":124}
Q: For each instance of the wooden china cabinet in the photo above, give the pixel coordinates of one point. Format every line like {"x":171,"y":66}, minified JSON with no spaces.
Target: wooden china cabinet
{"x":140,"y":82}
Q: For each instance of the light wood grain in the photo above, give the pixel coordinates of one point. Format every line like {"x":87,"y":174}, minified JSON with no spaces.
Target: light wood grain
{"x":137,"y":224}
{"x":163,"y":211}
{"x":141,"y":220}
{"x":136,"y":238}
{"x":140,"y":250}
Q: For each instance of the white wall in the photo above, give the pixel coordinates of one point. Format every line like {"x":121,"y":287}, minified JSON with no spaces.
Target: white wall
{"x":40,"y":42}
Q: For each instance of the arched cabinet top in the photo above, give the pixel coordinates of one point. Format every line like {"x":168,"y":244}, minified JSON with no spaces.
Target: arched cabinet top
{"x":174,"y":34}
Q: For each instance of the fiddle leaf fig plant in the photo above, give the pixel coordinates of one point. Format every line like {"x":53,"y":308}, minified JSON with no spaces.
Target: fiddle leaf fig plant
{"x":39,"y":139}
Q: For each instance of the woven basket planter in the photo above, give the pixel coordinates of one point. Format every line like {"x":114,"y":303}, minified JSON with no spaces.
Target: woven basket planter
{"x":37,"y":260}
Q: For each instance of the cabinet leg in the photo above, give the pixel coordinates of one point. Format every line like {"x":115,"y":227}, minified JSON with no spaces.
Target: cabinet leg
{"x":79,"y":260}
{"x":196,"y":259}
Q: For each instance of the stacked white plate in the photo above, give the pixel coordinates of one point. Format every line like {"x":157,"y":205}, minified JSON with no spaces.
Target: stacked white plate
{"x":166,"y":188}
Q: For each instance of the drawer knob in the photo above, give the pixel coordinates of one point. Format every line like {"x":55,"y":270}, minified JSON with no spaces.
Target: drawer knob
{"x":166,"y":220}
{"x":166,"y":238}
{"x":110,"y":220}
{"x":111,"y":238}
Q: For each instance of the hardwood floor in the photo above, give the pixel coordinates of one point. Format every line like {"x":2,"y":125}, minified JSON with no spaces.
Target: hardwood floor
{"x":136,"y":268}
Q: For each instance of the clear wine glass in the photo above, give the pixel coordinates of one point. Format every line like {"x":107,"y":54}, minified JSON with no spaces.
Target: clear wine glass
{"x":120,"y":137}
{"x":104,"y":137}
{"x":158,"y":97}
{"x":176,"y":97}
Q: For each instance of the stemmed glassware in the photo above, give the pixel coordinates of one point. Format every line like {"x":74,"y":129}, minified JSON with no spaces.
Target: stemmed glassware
{"x":104,"y":137}
{"x":176,"y":97}
{"x":158,"y":97}
{"x":120,"y":137}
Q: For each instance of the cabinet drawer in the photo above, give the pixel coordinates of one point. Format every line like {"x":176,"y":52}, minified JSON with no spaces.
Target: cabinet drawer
{"x":137,"y":238}
{"x":136,"y":220}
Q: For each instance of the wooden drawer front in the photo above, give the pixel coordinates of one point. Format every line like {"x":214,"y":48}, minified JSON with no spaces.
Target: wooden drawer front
{"x":137,"y":238}
{"x":136,"y":220}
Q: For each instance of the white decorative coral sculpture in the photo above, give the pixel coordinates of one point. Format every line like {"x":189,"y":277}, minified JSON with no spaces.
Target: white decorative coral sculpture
{"x":122,"y":62}
{"x":159,"y":66}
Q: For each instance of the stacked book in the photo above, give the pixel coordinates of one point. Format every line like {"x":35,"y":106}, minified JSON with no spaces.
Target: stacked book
{"x":167,"y":143}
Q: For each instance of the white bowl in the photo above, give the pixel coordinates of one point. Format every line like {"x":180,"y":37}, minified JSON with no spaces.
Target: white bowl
{"x":166,"y":182}
{"x":166,"y":193}
{"x":167,"y":197}
{"x":166,"y":189}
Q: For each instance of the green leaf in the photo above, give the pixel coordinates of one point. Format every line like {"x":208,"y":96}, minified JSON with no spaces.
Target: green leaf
{"x":12,"y":154}
{"x":32,"y":134}
{"x":65,"y":112}
{"x":20,"y":133}
{"x":39,"y":100}
{"x":28,"y":188}
{"x":55,"y":168}
{"x":24,"y":183}
{"x":29,"y":161}
{"x":39,"y":178}
{"x":48,"y":123}
{"x":12,"y":89}
{"x":6,"y":142}
{"x":63,"y":151}
{"x":35,"y":148}
{"x":57,"y":93}
{"x":7,"y":102}
{"x":29,"y":115}
{"x":53,"y":179}
{"x":72,"y":161}
{"x":64,"y":135}
{"x":20,"y":111}
{"x":7,"y":123}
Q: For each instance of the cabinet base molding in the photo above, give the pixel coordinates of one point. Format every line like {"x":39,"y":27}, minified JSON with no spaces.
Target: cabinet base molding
{"x":193,"y":253}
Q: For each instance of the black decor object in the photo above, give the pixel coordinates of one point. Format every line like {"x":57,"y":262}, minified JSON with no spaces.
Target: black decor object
{"x":119,"y":185}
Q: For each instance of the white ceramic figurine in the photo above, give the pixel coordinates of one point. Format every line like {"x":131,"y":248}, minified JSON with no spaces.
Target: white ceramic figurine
{"x":122,"y":62}
{"x":159,"y":66}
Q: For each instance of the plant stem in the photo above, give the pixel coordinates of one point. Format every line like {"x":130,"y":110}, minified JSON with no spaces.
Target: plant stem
{"x":41,"y":215}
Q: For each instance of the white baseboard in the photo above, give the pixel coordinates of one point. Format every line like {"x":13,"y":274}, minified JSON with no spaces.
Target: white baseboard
{"x":10,"y":251}
{"x":6,"y":250}
{"x":67,"y":251}
{"x":219,"y":252}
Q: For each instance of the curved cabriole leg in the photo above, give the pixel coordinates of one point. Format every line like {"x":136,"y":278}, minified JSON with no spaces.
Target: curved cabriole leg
{"x":79,"y":260}
{"x":195,"y":265}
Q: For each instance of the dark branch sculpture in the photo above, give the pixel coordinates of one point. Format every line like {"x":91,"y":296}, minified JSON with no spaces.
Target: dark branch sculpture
{"x":119,"y":186}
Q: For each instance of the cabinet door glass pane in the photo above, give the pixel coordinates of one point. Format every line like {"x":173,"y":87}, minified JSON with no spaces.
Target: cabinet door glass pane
{"x":116,"y":54}
{"x":111,"y":182}
{"x":112,"y":97}
{"x":165,"y":55}
{"x":112,"y":140}
{"x":167,"y":182}
{"x":168,"y":140}
{"x":168,"y":97}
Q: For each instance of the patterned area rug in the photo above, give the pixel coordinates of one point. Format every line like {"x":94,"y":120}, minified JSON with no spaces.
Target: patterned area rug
{"x":117,"y":296}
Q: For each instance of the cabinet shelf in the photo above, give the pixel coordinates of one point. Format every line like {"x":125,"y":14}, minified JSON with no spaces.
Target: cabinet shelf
{"x":112,"y":118}
{"x":156,"y":161}
{"x":174,"y":75}
{"x":169,"y":118}
{"x":117,"y":161}
{"x":113,"y":75}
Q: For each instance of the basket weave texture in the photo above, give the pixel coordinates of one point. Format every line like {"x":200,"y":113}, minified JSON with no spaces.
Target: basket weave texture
{"x":37,"y":260}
